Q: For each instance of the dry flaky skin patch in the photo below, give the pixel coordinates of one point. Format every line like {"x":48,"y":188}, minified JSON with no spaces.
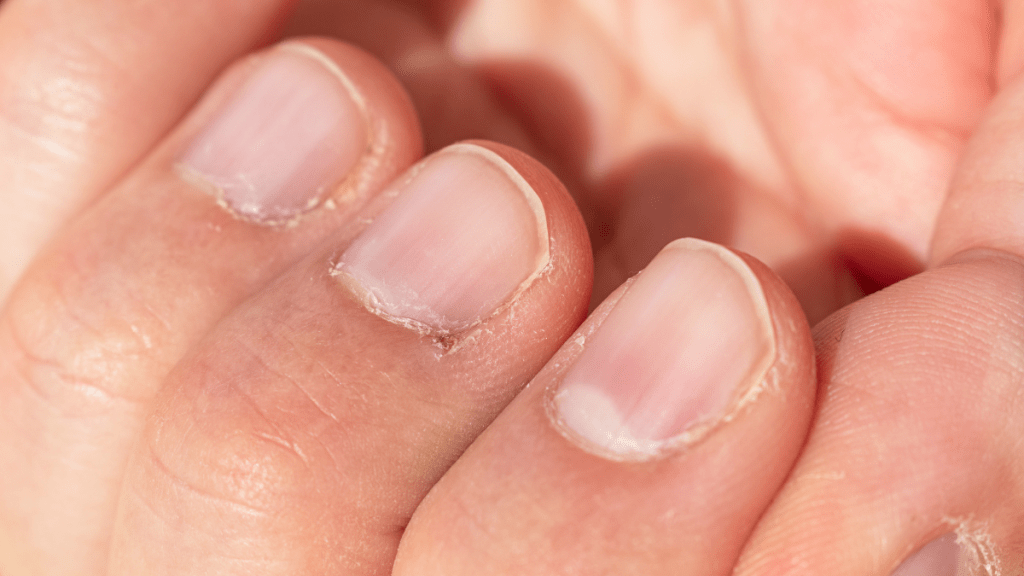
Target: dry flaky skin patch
{"x":250,"y":213}
{"x":327,"y":196}
{"x":447,"y":335}
{"x":978,"y":552}
{"x":763,"y":377}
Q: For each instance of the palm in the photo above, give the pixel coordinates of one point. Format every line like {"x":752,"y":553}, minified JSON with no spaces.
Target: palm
{"x":821,"y":144}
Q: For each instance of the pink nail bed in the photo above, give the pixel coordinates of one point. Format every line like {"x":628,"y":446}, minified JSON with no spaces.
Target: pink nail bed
{"x":283,"y":140}
{"x":940,"y":557}
{"x":462,"y":235}
{"x":679,"y":349}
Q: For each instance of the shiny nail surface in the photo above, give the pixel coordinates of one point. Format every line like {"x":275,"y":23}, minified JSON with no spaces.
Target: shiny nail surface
{"x":940,"y":557}
{"x":681,"y":346}
{"x":463,"y":235}
{"x":283,"y":140}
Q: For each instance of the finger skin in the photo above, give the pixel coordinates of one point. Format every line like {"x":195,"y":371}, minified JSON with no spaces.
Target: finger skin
{"x":916,"y":434}
{"x":917,"y":430}
{"x":305,"y":430}
{"x":984,"y":208}
{"x":87,"y":88}
{"x":103,"y":315}
{"x":881,"y":82}
{"x":525,"y":500}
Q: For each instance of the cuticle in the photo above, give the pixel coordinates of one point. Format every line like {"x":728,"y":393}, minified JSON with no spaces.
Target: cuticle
{"x":450,"y":340}
{"x":761,"y":376}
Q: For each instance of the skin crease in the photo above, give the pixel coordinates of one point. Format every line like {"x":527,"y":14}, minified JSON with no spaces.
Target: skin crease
{"x":663,"y":118}
{"x":720,"y":144}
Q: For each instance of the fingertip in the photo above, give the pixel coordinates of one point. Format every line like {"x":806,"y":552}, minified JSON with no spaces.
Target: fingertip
{"x":984,"y":207}
{"x":918,"y":394}
{"x":333,"y":399}
{"x":572,"y":262}
{"x":307,"y":123}
{"x":612,"y":501}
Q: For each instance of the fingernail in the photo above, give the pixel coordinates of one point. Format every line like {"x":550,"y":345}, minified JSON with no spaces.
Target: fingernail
{"x":463,"y":234}
{"x":940,"y":557}
{"x":287,"y":136}
{"x":682,"y":345}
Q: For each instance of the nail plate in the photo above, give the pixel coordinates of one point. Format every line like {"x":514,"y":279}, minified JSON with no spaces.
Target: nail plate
{"x":688,"y":337}
{"x":286,"y":136}
{"x":940,"y":557}
{"x":463,"y":234}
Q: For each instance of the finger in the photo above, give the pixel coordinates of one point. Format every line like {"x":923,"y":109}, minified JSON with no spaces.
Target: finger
{"x":913,"y":465}
{"x":286,"y":146}
{"x":915,"y":446}
{"x":452,"y":100}
{"x":984,"y":209}
{"x":307,"y":427}
{"x":650,"y":444}
{"x":86,"y":88}
{"x":895,"y":89}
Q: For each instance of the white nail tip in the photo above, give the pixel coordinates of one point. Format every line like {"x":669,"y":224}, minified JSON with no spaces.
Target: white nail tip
{"x":462,"y":235}
{"x":593,"y":416}
{"x":276,"y":146}
{"x":310,"y":52}
{"x":529,"y":195}
{"x":684,"y":347}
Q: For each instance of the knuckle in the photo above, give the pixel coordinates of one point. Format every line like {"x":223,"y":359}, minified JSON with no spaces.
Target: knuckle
{"x":224,"y":447}
{"x":75,"y":353}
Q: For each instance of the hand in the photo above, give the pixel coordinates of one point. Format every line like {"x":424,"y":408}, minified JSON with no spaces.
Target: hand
{"x":272,"y":445}
{"x":827,"y":140}
{"x":819,"y":139}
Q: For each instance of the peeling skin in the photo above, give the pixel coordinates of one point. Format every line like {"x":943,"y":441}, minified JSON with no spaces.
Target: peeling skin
{"x":979,"y":556}
{"x":253,"y":216}
{"x":327,"y":196}
{"x":451,"y":339}
{"x":763,"y":377}
{"x":342,"y":192}
{"x":447,"y":340}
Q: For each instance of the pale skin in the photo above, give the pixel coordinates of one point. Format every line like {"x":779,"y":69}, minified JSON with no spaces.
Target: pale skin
{"x":840,"y":147}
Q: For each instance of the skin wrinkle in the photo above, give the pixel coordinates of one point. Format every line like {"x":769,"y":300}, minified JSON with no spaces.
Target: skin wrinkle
{"x":281,"y":438}
{"x":334,"y":377}
{"x":70,"y":108}
{"x":773,"y":197}
{"x":636,"y":82}
{"x":980,"y":424}
{"x":945,"y":135}
{"x":388,"y":381}
{"x":83,"y":386}
{"x":282,"y":442}
{"x":303,"y":352}
{"x":65,"y":108}
{"x":840,"y":76}
{"x":93,"y":365}
{"x":149,"y":506}
{"x":141,"y":307}
{"x":300,"y":351}
{"x":320,"y":408}
{"x":720,"y":19}
{"x":799,"y":201}
{"x":61,"y":153}
{"x":790,"y":202}
{"x":335,"y":464}
{"x":238,"y":506}
{"x":261,"y":562}
{"x":928,"y":153}
{"x":334,"y":422}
